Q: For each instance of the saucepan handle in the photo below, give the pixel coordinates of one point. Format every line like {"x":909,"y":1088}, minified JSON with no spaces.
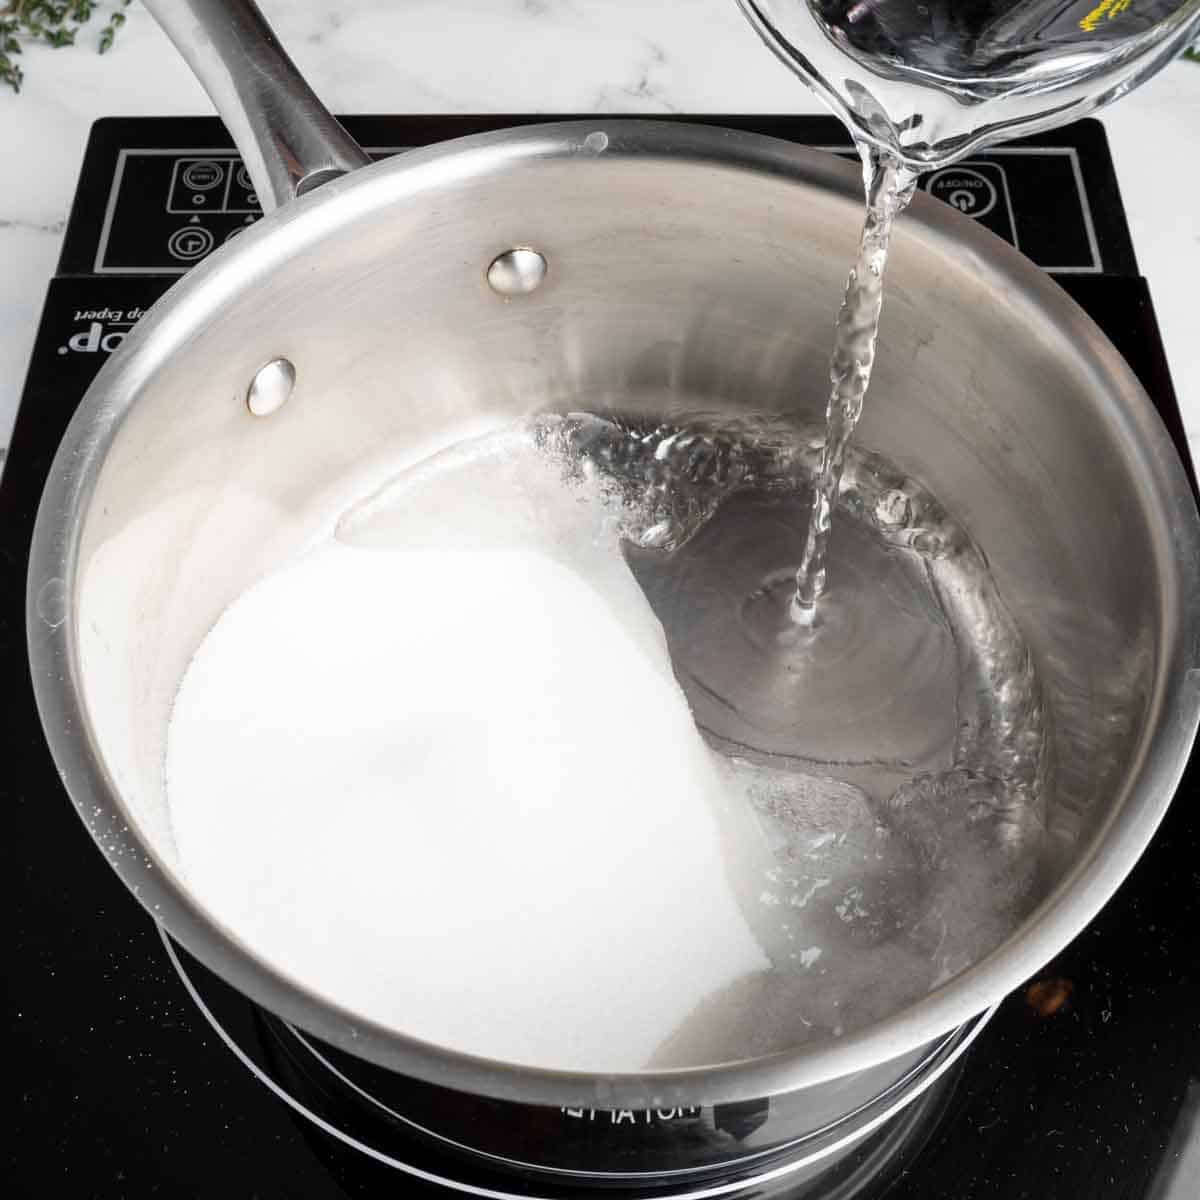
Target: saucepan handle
{"x":289,"y":141}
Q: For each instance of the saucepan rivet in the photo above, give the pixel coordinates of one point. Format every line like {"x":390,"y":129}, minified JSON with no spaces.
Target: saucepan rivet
{"x":52,"y":602}
{"x":516,"y":272}
{"x":271,"y":387}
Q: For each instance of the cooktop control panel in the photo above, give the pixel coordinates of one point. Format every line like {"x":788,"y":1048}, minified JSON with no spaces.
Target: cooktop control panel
{"x":162,"y":208}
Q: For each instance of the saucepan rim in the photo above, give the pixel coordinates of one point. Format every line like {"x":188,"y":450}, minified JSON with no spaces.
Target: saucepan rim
{"x":54,"y":648}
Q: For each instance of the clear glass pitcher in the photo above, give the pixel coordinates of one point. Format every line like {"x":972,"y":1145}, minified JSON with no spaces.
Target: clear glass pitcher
{"x":930,"y":80}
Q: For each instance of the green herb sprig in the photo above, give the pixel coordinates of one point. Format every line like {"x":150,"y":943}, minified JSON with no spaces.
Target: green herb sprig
{"x":54,"y":22}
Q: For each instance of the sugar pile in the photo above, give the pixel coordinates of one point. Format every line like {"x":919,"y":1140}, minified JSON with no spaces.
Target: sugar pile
{"x":436,"y":773}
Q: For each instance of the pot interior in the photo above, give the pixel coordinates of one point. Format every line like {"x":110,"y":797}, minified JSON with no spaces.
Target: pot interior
{"x":680,"y":281}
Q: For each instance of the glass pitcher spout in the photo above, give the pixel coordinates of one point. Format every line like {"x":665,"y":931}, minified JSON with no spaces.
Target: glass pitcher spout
{"x":930,"y":80}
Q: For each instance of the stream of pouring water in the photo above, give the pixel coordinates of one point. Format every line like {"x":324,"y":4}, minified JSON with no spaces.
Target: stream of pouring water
{"x":889,"y":187}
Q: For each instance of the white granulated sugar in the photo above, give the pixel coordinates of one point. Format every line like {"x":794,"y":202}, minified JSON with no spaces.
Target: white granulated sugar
{"x":444,"y":782}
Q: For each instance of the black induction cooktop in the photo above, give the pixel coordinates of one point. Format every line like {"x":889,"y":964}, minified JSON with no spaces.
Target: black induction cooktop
{"x":134,"y":1073}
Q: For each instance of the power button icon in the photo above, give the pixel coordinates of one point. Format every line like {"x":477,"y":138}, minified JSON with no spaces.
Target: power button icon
{"x":968,"y":190}
{"x":190,"y":243}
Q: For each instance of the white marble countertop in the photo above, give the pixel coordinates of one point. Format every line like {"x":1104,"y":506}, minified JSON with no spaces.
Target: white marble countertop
{"x":446,"y":56}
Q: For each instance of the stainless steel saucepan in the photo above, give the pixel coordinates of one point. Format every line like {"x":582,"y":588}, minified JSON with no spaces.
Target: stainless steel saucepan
{"x":659,"y":268}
